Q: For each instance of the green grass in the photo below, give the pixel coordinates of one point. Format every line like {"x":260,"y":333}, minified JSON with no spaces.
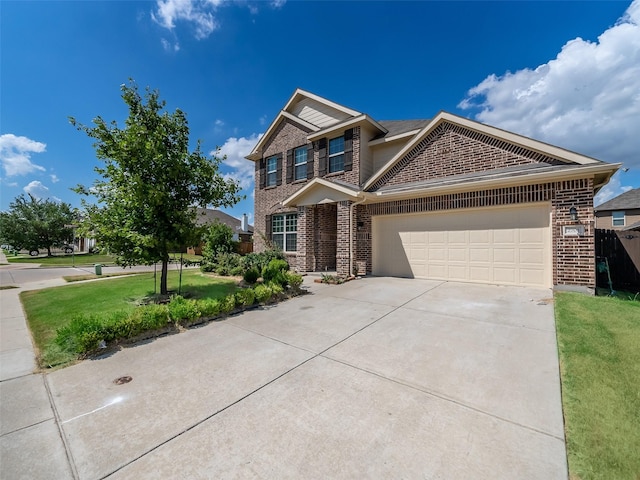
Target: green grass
{"x":599,"y":346}
{"x":51,"y":308}
{"x":65,"y":260}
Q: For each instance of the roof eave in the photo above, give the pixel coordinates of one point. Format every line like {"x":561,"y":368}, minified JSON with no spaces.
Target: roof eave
{"x":490,"y":183}
{"x":351,"y":122}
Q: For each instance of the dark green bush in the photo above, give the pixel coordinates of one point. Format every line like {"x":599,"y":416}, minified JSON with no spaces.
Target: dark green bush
{"x":251,"y":276}
{"x":260,"y":260}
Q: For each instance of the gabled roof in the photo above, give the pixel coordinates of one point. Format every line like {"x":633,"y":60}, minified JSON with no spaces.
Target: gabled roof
{"x":319,"y":191}
{"x":206,"y":216}
{"x":503,"y":135}
{"x":627,"y":200}
{"x":294,"y":111}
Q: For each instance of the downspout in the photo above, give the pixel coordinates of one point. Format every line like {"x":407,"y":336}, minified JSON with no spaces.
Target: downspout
{"x":351,"y":210}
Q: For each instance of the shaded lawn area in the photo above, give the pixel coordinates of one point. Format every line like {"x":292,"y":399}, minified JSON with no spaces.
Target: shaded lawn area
{"x":65,"y":260}
{"x":599,"y":346}
{"x":51,"y":308}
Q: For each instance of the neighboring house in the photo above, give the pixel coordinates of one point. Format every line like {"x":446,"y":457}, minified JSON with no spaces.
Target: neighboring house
{"x":620,"y":213}
{"x":242,"y":231}
{"x":447,"y":198}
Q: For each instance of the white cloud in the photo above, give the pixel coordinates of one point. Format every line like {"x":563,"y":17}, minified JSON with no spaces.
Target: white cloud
{"x":54,"y":178}
{"x":235,"y":150}
{"x":15,"y":154}
{"x":612,"y":189}
{"x":37,"y":189}
{"x":586,"y":99}
{"x":197,"y":13}
{"x":278,"y":3}
{"x":168,"y":46}
{"x":263,"y":120}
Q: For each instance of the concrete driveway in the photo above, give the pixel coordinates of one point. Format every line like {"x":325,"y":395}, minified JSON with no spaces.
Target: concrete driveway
{"x":376,"y":378}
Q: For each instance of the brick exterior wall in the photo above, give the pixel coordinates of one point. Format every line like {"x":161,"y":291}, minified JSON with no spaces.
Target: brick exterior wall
{"x":453,"y":150}
{"x":323,"y":230}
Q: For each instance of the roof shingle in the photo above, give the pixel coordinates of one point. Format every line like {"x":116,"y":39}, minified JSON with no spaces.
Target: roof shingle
{"x":627,"y":200}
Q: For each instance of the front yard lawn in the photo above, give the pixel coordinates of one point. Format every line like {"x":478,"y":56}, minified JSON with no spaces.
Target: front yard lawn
{"x":52,"y":308}
{"x":599,"y":347}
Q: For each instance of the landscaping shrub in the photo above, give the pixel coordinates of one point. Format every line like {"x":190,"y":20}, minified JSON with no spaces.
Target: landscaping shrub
{"x":228,"y":304}
{"x":274,"y":272}
{"x":293,"y":280}
{"x":260,"y":260}
{"x":81,"y":335}
{"x":263,"y":293}
{"x":251,"y":275}
{"x":245,"y":297}
{"x":276,"y":288}
{"x":209,"y":307}
{"x":228,"y":263}
{"x":181,"y":309}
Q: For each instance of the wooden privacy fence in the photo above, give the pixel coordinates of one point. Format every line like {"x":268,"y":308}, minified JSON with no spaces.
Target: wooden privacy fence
{"x":615,"y":248}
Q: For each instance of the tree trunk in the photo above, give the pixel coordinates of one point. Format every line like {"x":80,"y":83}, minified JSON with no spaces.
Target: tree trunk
{"x":49,"y":252}
{"x":163,"y":276}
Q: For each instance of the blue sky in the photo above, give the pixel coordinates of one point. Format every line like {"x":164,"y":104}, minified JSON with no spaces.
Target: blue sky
{"x":567,"y":73}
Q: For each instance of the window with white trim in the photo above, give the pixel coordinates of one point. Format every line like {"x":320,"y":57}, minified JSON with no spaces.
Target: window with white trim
{"x":617,"y":219}
{"x":300,"y":163}
{"x":284,"y":231}
{"x":336,"y":154}
{"x":272,"y":170}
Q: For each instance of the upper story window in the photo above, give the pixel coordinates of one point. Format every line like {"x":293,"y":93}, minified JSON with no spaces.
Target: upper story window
{"x":300,"y":159}
{"x":336,"y":154}
{"x":617,"y":219}
{"x":272,"y":170}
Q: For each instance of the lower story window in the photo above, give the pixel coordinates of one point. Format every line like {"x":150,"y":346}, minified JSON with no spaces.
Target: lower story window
{"x":284,"y":231}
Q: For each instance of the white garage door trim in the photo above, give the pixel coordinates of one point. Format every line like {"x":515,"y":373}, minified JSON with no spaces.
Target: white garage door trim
{"x":500,"y":245}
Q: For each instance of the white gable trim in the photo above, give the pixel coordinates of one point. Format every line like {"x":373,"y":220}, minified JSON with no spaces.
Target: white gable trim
{"x":346,"y":124}
{"x":333,"y":193}
{"x":497,"y":133}
{"x":302,"y":93}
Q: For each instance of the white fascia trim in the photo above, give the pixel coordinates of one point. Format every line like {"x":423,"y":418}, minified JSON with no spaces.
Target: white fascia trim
{"x":290,"y":201}
{"x":302,"y":93}
{"x":538,"y":177}
{"x":399,"y":136}
{"x":526,"y":142}
{"x":346,"y":124}
{"x":256,"y":153}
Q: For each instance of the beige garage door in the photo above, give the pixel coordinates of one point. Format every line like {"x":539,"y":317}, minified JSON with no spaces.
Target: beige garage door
{"x":508,"y":246}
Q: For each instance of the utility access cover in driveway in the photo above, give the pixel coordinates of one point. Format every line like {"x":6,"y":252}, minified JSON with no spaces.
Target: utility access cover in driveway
{"x":377,"y":378}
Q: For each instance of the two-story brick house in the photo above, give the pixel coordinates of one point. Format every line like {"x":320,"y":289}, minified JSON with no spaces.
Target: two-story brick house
{"x":446,"y":198}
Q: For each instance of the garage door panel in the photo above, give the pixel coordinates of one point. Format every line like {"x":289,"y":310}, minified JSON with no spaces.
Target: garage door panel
{"x":480,"y":254}
{"x":505,"y":255}
{"x":509,"y":245}
{"x":457,"y":254}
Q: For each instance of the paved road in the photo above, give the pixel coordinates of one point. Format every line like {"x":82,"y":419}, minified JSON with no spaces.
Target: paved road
{"x":377,"y":378}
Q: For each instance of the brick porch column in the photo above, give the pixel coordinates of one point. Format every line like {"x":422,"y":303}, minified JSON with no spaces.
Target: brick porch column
{"x":305,"y":241}
{"x":342,"y":246}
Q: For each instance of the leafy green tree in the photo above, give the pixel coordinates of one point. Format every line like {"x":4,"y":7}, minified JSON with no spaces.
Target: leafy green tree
{"x":33,"y":223}
{"x":218,"y":238}
{"x":150,"y":183}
